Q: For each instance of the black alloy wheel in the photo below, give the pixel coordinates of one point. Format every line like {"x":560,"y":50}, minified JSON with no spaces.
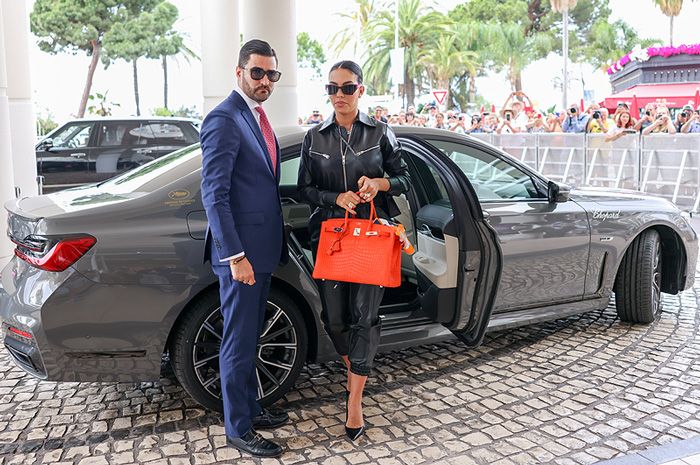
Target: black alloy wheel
{"x":280,"y":356}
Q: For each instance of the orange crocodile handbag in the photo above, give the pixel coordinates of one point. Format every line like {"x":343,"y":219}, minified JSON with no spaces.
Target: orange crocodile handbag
{"x":359,"y":251}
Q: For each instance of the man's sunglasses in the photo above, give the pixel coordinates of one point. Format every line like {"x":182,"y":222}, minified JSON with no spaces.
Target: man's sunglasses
{"x":258,"y":73}
{"x":347,"y":89}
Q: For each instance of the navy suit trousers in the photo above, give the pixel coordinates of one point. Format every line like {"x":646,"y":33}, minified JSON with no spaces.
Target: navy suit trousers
{"x":243,"y":309}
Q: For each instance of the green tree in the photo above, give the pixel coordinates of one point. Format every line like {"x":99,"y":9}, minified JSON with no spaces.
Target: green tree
{"x":419,"y":26}
{"x":133,"y":37}
{"x":75,"y":26}
{"x":446,"y":59}
{"x":670,"y":8}
{"x":167,"y":41}
{"x":356,"y":21}
{"x":101,"y":106}
{"x":611,"y":41}
{"x":513,"y":50}
{"x":45,"y":121}
{"x":472,"y":37}
{"x":310,"y":52}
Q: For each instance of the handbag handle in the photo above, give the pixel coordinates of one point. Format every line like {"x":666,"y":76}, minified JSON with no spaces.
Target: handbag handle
{"x":372,"y":215}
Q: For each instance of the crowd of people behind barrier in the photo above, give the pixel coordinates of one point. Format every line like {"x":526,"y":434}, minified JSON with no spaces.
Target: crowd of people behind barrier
{"x":518,"y":115}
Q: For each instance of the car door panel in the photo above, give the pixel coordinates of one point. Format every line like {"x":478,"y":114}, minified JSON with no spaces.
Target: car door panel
{"x":65,"y":164}
{"x":545,"y":251}
{"x":457,"y":260}
{"x":545,"y":244}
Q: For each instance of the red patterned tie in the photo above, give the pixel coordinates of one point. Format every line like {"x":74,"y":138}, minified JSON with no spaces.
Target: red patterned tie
{"x":269,"y":137}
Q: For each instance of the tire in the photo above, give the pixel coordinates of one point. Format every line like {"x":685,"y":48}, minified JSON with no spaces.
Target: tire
{"x":195,"y":347}
{"x":638,"y":282}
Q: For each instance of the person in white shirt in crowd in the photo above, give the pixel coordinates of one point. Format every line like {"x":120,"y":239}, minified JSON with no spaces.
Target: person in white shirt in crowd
{"x":506,"y":126}
{"x":456,"y":123}
{"x":663,"y":124}
{"x":624,"y":124}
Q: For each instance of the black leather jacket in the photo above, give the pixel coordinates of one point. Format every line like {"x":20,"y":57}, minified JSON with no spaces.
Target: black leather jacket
{"x":324,"y":172}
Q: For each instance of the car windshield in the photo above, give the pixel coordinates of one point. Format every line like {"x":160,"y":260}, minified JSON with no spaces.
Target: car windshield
{"x":159,"y":171}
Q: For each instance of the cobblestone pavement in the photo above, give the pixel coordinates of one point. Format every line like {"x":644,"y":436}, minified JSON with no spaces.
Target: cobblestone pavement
{"x":575,"y":391}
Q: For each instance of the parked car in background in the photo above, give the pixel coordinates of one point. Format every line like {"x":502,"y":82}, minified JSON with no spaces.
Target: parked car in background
{"x":85,"y":151}
{"x":108,"y":278}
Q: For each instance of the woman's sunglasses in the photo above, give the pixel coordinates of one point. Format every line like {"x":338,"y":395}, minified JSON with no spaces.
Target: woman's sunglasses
{"x":347,"y":89}
{"x":258,"y":73}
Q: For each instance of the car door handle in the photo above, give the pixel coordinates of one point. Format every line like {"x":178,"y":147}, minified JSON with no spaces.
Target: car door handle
{"x":77,"y":155}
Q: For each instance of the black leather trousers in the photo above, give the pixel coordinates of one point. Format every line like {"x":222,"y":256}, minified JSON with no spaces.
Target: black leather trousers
{"x":351,"y":317}
{"x":350,"y":311}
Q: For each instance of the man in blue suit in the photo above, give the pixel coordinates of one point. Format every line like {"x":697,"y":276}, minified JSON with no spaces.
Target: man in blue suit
{"x":245,"y":238}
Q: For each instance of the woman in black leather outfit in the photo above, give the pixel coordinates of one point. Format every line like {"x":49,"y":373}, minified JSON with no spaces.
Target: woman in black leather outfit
{"x":350,"y":153}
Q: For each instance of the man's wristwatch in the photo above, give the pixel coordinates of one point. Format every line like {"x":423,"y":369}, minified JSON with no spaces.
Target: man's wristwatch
{"x":237,"y":260}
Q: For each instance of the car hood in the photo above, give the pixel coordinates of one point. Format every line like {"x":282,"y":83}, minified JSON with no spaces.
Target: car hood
{"x":67,"y":201}
{"x":609,"y":197}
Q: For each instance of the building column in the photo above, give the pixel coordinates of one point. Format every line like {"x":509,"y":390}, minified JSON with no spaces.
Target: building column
{"x":15,"y":27}
{"x":220,"y":44}
{"x":7,"y":191}
{"x":274,"y":21}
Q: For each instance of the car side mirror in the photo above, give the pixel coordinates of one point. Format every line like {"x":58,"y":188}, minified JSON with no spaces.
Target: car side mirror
{"x":46,"y":144}
{"x":557,"y":193}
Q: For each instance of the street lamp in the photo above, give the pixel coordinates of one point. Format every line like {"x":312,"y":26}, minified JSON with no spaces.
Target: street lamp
{"x":563,"y":7}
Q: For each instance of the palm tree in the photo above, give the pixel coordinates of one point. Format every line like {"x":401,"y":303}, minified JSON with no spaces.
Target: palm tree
{"x":419,"y":26}
{"x":445,"y":60}
{"x":472,"y":37}
{"x":670,"y":8}
{"x":357,"y":20}
{"x":513,"y":50}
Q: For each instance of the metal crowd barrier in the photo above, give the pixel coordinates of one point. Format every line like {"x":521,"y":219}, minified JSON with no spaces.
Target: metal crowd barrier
{"x":665,"y":165}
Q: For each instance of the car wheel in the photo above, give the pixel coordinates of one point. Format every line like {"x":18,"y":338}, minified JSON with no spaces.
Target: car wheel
{"x":280,"y":357}
{"x":638,"y":283}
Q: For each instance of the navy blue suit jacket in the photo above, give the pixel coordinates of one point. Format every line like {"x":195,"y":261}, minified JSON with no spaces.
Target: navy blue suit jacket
{"x":239,"y":190}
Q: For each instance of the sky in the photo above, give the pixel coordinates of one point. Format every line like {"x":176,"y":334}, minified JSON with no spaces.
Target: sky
{"x":58,"y":80}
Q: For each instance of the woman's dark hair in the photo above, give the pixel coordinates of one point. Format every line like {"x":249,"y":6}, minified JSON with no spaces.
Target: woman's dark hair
{"x":351,"y":66}
{"x":255,"y":47}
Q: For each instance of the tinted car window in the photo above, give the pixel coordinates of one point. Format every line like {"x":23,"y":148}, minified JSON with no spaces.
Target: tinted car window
{"x":492,"y":177}
{"x":73,"y":136}
{"x":179,"y":134}
{"x":120,"y":134}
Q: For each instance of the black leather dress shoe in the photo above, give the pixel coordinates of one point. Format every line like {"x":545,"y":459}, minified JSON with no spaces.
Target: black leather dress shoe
{"x":267,"y":420}
{"x":255,"y":445}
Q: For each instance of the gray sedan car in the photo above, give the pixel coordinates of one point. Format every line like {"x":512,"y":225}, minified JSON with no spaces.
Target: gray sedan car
{"x":108,"y":280}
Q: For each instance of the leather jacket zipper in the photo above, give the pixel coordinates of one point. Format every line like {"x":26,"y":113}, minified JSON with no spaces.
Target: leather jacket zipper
{"x":342,"y":155}
{"x":324,"y":155}
{"x":366,"y":150}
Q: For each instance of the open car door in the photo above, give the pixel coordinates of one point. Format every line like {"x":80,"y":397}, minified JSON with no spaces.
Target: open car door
{"x":458,"y":259}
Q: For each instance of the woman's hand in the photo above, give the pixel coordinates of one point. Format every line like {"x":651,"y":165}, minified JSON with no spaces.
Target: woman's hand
{"x":369,"y":187}
{"x":348,"y":200}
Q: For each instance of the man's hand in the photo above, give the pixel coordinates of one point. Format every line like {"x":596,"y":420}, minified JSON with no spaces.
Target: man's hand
{"x":348,"y":200}
{"x":243,"y":271}
{"x":369,"y":187}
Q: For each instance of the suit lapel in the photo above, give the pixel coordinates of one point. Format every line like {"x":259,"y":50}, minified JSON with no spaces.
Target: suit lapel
{"x":255,"y":127}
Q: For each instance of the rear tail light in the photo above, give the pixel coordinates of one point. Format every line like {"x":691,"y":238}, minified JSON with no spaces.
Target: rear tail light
{"x":53,"y":253}
{"x":19,"y":332}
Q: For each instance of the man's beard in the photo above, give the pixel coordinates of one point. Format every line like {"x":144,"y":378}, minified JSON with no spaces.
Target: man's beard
{"x":250,"y":91}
